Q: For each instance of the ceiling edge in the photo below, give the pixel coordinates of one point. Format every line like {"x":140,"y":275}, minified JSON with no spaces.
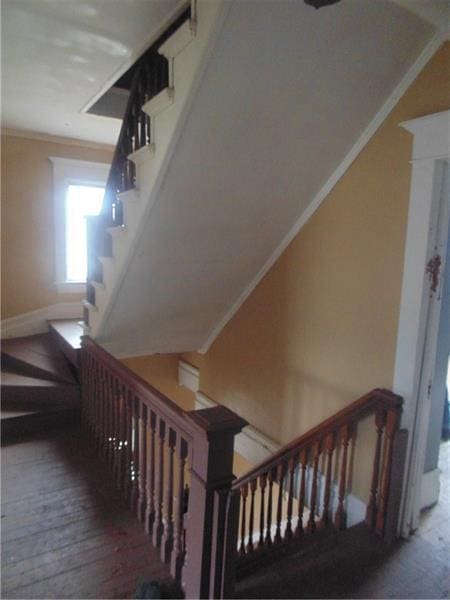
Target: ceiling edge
{"x":430,"y":49}
{"x":55,"y":139}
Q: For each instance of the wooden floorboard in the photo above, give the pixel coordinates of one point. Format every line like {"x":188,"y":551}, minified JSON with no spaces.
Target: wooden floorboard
{"x":65,"y":531}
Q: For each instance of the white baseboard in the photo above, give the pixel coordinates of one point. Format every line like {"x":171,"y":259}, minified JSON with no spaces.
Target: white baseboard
{"x":35,"y":321}
{"x":188,"y":376}
{"x":255,"y":446}
{"x":429,"y":489}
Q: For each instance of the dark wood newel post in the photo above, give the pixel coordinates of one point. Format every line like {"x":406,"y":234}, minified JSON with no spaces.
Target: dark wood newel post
{"x":211,"y":477}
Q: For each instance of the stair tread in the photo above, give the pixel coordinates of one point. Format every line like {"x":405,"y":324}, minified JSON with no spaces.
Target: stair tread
{"x":70,"y":330}
{"x":15,"y":414}
{"x":11,"y":378}
{"x":38,"y":353}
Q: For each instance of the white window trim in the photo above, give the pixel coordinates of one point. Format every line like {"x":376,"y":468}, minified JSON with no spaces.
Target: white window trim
{"x":68,"y":171}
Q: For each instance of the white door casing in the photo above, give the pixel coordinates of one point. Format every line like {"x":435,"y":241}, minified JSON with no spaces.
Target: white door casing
{"x":425,"y":251}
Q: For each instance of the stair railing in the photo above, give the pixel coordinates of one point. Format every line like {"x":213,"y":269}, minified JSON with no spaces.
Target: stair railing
{"x":150,"y":77}
{"x":174,"y":468}
{"x":303,"y":488}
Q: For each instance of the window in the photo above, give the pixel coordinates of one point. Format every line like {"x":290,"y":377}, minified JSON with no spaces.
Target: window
{"x":78,"y":192}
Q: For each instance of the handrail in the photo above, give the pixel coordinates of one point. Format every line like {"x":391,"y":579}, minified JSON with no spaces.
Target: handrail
{"x":164,"y":460}
{"x":357,"y":410}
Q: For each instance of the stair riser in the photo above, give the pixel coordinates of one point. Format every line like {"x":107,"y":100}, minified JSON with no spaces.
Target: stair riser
{"x":39,"y":398}
{"x":17,"y":428}
{"x":25,"y":368}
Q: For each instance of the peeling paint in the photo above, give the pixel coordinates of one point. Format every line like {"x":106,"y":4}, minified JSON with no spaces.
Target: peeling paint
{"x":433,"y":271}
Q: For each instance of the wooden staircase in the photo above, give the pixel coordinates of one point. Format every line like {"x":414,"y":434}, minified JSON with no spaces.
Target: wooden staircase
{"x":40,"y":380}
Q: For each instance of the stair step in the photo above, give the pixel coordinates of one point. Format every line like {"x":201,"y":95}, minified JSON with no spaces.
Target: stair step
{"x":36,"y":356}
{"x":159,"y":102}
{"x":67,"y":333}
{"x":23,"y":393}
{"x":15,"y":424}
{"x":139,"y":157}
{"x":179,"y":40}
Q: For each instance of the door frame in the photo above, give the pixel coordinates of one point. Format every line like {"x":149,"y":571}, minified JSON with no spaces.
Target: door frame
{"x":425,"y":251}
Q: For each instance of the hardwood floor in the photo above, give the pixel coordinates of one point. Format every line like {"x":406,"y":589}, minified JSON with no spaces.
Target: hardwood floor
{"x":65,"y":531}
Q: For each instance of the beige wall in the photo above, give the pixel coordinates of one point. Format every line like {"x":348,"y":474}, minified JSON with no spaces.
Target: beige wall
{"x":320,"y":328}
{"x":161,"y":371}
{"x":27,"y":220}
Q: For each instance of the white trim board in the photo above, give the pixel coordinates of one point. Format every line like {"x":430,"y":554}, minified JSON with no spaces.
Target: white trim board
{"x":429,"y":489}
{"x":315,"y":203}
{"x":36,"y":321}
{"x":427,"y":234}
{"x":188,"y":376}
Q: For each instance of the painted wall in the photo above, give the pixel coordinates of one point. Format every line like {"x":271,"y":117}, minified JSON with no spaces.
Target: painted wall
{"x":320,"y":329}
{"x":27,"y":220}
{"x":161,"y":371}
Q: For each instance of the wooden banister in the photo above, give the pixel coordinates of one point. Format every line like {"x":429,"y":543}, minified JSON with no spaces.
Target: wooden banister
{"x":154,"y":449}
{"x":377,"y":399}
{"x":304,"y":486}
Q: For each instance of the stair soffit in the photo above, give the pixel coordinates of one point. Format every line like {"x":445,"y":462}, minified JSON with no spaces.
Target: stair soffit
{"x":214,"y":234}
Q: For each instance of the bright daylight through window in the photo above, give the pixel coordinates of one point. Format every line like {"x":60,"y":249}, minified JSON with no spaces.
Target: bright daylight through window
{"x":79,"y":187}
{"x":81,"y":201}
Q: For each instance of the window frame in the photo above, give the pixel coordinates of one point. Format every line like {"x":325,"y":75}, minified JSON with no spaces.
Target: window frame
{"x":69,"y":171}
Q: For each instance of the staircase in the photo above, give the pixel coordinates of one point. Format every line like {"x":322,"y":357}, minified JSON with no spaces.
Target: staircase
{"x":163,"y":80}
{"x":174,"y":469}
{"x":40,"y":380}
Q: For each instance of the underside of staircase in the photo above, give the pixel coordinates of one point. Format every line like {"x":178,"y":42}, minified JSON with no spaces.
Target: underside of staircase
{"x":227,"y":152}
{"x":40,"y":386}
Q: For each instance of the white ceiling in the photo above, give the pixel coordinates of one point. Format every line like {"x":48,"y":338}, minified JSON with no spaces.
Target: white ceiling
{"x":286,"y":94}
{"x":58,"y":56}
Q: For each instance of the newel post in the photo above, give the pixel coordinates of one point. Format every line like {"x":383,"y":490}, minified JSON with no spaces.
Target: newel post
{"x":211,"y":477}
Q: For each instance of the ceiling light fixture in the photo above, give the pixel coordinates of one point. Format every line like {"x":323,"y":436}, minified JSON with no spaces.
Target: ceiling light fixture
{"x":320,"y":3}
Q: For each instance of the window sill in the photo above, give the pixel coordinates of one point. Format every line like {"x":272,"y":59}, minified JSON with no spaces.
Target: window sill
{"x":71,"y":287}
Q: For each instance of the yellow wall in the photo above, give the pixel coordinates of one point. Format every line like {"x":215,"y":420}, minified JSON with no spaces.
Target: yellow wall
{"x":161,"y":371}
{"x":27,"y":220}
{"x":320,"y":329}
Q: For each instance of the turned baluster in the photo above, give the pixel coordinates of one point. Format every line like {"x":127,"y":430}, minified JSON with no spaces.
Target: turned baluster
{"x":109,"y":407}
{"x":102,"y":449}
{"x":269,"y":508}
{"x":291,"y":466}
{"x":371,"y":513}
{"x":244,"y":494}
{"x":280,"y":476}
{"x":141,"y":503}
{"x":262,"y":522}
{"x":159,"y":483}
{"x":167,"y":541}
{"x":178,"y":545}
{"x":136,"y":109}
{"x":311,"y":526}
{"x":116,"y":436}
{"x":135,"y":441}
{"x":95,"y":403}
{"x":329,"y":448}
{"x":128,"y":403}
{"x":340,"y":518}
{"x":122,"y":467}
{"x":302,"y":496}
{"x":89,"y":394}
{"x":392,"y":422}
{"x":150,"y":508}
{"x":251,"y":520}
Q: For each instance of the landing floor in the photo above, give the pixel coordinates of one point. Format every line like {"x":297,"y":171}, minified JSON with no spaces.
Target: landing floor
{"x":65,"y":531}
{"x":415,"y":568}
